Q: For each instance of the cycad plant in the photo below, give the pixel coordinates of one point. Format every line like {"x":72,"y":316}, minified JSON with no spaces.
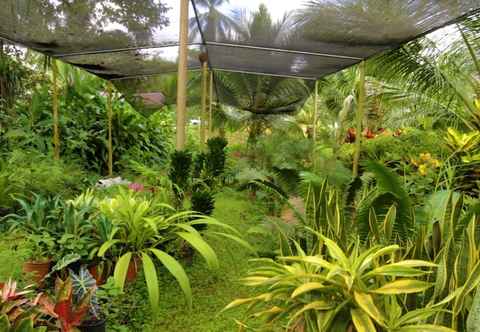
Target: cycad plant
{"x":142,"y":229}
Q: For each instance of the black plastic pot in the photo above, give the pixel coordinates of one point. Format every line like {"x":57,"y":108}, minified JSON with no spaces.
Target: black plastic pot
{"x":93,"y":326}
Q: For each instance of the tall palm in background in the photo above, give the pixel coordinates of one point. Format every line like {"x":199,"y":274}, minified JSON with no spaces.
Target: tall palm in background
{"x":214,"y":24}
{"x":440,"y":80}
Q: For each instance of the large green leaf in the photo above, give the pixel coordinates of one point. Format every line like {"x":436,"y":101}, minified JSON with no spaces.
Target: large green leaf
{"x":63,"y":263}
{"x":473,"y":319}
{"x":472,"y":282}
{"x":424,"y":328}
{"x":307,"y":287}
{"x":25,"y":325}
{"x":152,"y":281}
{"x":196,"y":241}
{"x":106,"y":246}
{"x":236,"y":239}
{"x":365,"y":302}
{"x":177,"y":271}
{"x":121,"y":268}
{"x":362,"y":321}
{"x":336,"y":252}
{"x":404,"y":286}
{"x":416,"y":316}
{"x":4,"y":323}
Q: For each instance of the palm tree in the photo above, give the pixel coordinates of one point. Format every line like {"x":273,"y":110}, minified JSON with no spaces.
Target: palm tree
{"x":214,"y":24}
{"x":443,"y":81}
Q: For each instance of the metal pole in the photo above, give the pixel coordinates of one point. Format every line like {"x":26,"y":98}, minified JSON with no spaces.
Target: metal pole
{"x":182,"y":76}
{"x":359,"y":117}
{"x":210,"y":106}
{"x":109,"y":119}
{"x":203,"y":116}
{"x":56,"y":131}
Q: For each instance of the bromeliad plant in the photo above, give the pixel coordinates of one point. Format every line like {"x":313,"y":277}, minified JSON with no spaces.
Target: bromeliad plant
{"x":142,"y":229}
{"x":21,"y":310}
{"x":334,"y":290}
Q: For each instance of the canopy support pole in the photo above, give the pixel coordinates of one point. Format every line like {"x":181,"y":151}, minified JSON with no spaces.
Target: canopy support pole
{"x":182,"y":76}
{"x":315,"y":110}
{"x":203,"y":115}
{"x":359,"y":116}
{"x":109,"y":120}
{"x":314,"y":119}
{"x":210,"y":106}
{"x":56,"y":131}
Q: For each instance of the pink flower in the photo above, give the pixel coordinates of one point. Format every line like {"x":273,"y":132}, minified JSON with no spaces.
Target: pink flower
{"x":138,"y":187}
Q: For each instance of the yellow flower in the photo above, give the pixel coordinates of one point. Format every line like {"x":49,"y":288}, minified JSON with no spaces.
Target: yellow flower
{"x":422,"y":169}
{"x":435,"y":163}
{"x":425,"y":156}
{"x":414,"y":162}
{"x":477,"y":103}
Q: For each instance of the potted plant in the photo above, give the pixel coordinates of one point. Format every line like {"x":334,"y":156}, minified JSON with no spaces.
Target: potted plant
{"x":142,"y":226}
{"x":40,"y":249}
{"x":84,"y":284}
{"x":21,"y":310}
{"x":68,"y":310}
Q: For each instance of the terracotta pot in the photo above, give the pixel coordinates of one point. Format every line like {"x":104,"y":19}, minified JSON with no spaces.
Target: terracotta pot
{"x":37,"y":270}
{"x":97,"y":274}
{"x":133,"y":269}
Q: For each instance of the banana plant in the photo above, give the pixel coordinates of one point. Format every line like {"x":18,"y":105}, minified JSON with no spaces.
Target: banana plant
{"x":333,"y":290}
{"x":143,"y":227}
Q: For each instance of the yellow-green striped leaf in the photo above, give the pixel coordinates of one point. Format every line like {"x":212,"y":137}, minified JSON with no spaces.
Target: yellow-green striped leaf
{"x":404,"y":286}
{"x":362,"y":321}
{"x":424,"y":328}
{"x":306,"y":288}
{"x":365,"y":302}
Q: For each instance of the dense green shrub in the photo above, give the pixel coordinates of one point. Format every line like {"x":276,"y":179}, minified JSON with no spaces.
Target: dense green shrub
{"x":83,"y":126}
{"x":203,"y":201}
{"x":180,"y":171}
{"x":199,"y":164}
{"x":25,"y":172}
{"x":216,"y":157}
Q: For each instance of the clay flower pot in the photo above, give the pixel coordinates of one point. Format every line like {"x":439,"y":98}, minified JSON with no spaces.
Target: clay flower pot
{"x":133,"y":269}
{"x":37,"y":270}
{"x":98,"y":274}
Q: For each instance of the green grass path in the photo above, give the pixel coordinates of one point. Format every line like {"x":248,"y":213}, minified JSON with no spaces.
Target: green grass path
{"x":212,"y":290}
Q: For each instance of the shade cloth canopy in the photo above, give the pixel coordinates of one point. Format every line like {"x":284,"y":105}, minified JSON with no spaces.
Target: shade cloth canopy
{"x":129,"y":42}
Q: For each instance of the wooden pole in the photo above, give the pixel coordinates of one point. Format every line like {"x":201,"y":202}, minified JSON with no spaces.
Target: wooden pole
{"x":314,"y":124}
{"x":182,"y":76}
{"x":359,"y":116}
{"x":203,"y":116}
{"x":109,"y":119}
{"x":56,"y":131}
{"x":210,"y":106}
{"x":315,"y":110}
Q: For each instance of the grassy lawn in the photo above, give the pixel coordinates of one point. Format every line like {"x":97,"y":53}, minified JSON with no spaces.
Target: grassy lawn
{"x":212,"y":290}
